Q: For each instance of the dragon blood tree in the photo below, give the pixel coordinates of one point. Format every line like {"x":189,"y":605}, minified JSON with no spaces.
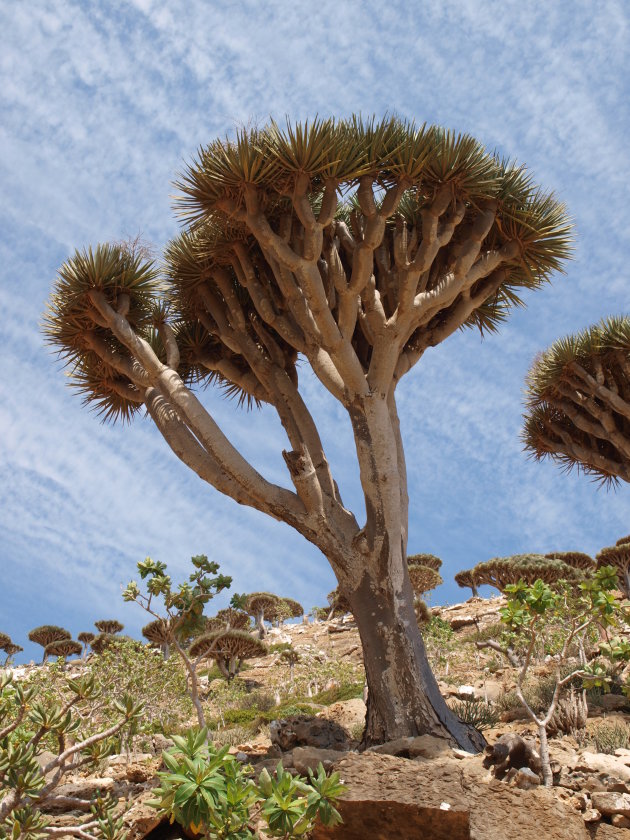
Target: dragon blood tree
{"x":86,"y":637}
{"x":578,"y":402}
{"x":159,"y":633}
{"x":109,"y":626}
{"x":46,"y":634}
{"x":467,"y":580}
{"x":352,"y":246}
{"x":618,"y":556}
{"x":575,"y":559}
{"x":228,"y":648}
{"x":507,"y":571}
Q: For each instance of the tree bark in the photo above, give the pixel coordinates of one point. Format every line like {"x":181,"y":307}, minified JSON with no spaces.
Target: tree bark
{"x":403,"y":695}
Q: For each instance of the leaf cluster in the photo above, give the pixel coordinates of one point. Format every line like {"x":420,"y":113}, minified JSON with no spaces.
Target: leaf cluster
{"x":30,"y":723}
{"x":207,"y":791}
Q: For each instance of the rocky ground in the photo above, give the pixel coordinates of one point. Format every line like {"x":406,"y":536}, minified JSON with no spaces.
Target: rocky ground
{"x":415,"y":787}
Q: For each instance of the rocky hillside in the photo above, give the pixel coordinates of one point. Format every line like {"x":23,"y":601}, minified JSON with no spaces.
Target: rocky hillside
{"x":307,"y":706}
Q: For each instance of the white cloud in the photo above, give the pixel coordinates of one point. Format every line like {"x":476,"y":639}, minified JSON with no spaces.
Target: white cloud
{"x":101,"y":105}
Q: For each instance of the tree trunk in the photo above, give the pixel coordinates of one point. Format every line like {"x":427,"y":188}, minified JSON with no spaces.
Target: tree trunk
{"x":544,"y":756}
{"x":403,"y":695}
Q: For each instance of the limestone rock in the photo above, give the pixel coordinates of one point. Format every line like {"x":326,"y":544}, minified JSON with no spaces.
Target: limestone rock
{"x":611,"y":765}
{"x":347,"y":713}
{"x":310,"y":757}
{"x":620,"y":821}
{"x":526,"y":779}
{"x":421,"y":746}
{"x":85,"y":788}
{"x":141,"y":818}
{"x":390,"y":798}
{"x":610,"y":803}
{"x":604,"y":831}
{"x":302,"y":731}
{"x":466,"y":692}
{"x":591,"y":815}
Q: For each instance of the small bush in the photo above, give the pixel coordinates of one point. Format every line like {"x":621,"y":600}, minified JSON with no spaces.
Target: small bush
{"x":437,"y":629}
{"x":345,"y":691}
{"x":476,"y":712}
{"x":279,"y":647}
{"x":609,"y":737}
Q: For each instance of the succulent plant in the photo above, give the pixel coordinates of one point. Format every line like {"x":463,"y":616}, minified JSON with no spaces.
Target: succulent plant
{"x":234,"y":619}
{"x":339,"y":604}
{"x":291,"y":608}
{"x":4,"y":640}
{"x":46,"y":634}
{"x":86,"y":637}
{"x":11,"y":649}
{"x":263,"y":606}
{"x":423,"y":578}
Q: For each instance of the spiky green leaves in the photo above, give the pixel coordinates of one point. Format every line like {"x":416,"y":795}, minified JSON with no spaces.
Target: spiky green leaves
{"x":578,"y":402}
{"x":430,"y":560}
{"x":73,"y":326}
{"x":423,"y":578}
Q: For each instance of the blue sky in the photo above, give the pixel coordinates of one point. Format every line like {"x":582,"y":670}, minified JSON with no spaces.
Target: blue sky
{"x":102,"y":103}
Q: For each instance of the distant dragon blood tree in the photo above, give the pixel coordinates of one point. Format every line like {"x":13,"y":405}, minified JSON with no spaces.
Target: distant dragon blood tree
{"x":618,"y":556}
{"x":578,"y":402}
{"x":353,"y":246}
{"x":508,"y":571}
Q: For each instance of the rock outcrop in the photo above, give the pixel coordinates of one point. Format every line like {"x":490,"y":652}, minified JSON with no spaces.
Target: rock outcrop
{"x":391,"y":798}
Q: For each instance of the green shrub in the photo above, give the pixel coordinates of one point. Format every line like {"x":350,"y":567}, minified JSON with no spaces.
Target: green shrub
{"x":208,"y":792}
{"x":279,"y":647}
{"x":476,"y":712}
{"x":438,"y":629}
{"x":609,"y":737}
{"x":127,"y":666}
{"x":345,"y":691}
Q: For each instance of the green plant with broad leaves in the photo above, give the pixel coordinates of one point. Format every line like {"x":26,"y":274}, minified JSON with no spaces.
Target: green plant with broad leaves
{"x":559,"y":619}
{"x":184,"y":606}
{"x":209,"y":792}
{"x":30,"y":725}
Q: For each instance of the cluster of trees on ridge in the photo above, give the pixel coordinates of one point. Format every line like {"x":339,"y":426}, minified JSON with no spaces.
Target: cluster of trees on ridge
{"x":355,"y":245}
{"x":575,"y":566}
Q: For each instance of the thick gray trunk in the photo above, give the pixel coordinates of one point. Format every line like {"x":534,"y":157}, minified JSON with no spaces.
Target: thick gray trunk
{"x":403,"y":695}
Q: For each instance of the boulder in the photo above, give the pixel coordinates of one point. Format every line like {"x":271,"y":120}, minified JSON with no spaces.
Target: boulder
{"x":618,"y":767}
{"x":390,"y":798}
{"x":526,"y":779}
{"x":304,"y":758}
{"x":84,"y":788}
{"x":305,"y":731}
{"x":141,"y":818}
{"x":458,"y":621}
{"x":347,"y":713}
{"x":421,"y":746}
{"x":604,"y":831}
{"x":610,"y":803}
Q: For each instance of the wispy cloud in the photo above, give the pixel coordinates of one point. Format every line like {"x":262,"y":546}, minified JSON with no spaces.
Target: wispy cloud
{"x":101,"y":105}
